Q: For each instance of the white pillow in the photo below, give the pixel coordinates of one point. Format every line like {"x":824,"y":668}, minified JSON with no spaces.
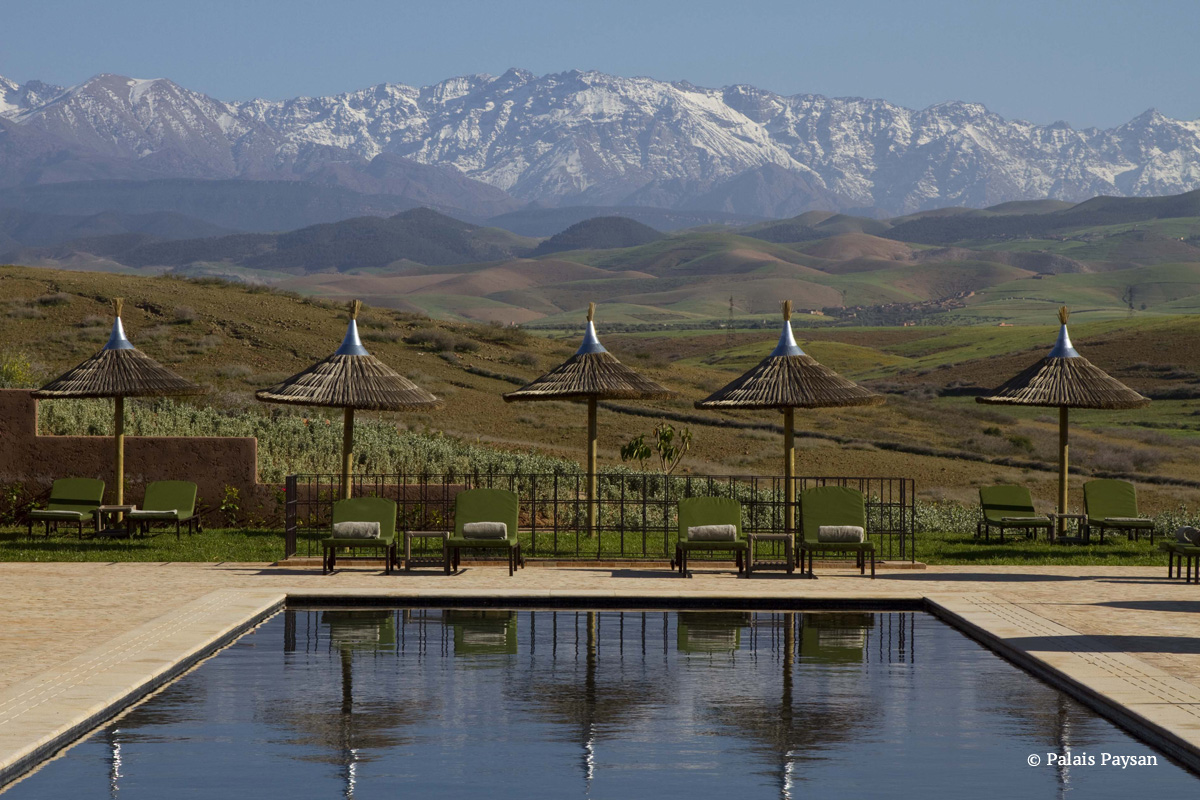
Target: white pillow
{"x":712,"y":533}
{"x":485,"y":530}
{"x":1188,"y":535}
{"x":356,"y":530}
{"x":840,"y":533}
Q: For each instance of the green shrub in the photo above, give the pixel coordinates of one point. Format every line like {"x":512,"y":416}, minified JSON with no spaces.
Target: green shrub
{"x":17,"y":370}
{"x":290,"y":442}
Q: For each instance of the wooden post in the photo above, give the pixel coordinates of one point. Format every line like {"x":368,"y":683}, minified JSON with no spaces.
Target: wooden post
{"x":789,"y":448}
{"x":591,"y":468}
{"x":119,"y":442}
{"x":789,"y":469}
{"x":347,"y":449}
{"x":1063,"y":461}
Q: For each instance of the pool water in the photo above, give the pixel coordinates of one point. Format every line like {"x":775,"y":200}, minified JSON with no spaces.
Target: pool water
{"x":560,"y":704}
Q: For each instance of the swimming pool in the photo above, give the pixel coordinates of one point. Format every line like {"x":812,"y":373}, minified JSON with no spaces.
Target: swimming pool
{"x":521,"y":704}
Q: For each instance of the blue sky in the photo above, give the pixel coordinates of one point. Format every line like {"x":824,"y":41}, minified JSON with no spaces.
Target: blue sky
{"x":1097,"y":62}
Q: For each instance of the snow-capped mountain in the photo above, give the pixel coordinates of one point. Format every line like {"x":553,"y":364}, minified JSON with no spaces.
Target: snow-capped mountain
{"x":592,"y":138}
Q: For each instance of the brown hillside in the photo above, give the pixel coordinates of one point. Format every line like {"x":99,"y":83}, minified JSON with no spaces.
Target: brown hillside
{"x":859,"y":245}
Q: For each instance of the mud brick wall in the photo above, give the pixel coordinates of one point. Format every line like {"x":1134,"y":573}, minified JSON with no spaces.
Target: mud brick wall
{"x":212,"y":463}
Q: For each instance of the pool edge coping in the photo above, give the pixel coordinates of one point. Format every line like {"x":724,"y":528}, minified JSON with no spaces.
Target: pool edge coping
{"x":133,"y":647}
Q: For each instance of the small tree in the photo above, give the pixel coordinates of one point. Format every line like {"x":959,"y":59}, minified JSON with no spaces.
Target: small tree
{"x":637,"y":450}
{"x":670,"y":445}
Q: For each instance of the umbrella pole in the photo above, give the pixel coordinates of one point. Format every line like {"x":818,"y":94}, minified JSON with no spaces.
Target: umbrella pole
{"x":119,"y":442}
{"x":591,"y":468}
{"x":789,"y":469}
{"x":1063,"y":447}
{"x":347,"y":449}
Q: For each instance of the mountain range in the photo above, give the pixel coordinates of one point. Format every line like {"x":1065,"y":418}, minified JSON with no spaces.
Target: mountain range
{"x":486,"y":145}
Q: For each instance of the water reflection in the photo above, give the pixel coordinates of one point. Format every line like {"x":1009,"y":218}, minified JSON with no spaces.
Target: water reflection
{"x":459,"y":702}
{"x":483,"y":633}
{"x":352,"y":726}
{"x":710,"y":631}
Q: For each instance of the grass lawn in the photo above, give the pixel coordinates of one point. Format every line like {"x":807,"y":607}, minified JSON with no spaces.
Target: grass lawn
{"x":211,"y":545}
{"x":960,"y":548}
{"x":236,"y":545}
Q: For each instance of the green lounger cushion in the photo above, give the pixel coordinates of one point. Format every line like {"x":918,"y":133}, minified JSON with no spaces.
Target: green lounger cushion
{"x":461,"y":541}
{"x":177,"y":498}
{"x":740,"y":544}
{"x":1112,"y":504}
{"x":484,"y":505}
{"x":357,"y":542}
{"x":1010,"y":506}
{"x":1127,"y":522}
{"x":696,"y":512}
{"x":838,"y":547}
{"x":142,"y":513}
{"x":45,"y":513}
{"x":1025,"y":522}
{"x":365,"y":509}
{"x":832,"y":506}
{"x":81,"y":496}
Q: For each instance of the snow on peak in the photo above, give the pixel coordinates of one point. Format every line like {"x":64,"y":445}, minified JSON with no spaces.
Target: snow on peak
{"x":594,"y":138}
{"x":139,"y":86}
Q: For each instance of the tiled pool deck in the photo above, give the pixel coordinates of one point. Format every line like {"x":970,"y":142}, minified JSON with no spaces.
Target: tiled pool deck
{"x":80,"y":638}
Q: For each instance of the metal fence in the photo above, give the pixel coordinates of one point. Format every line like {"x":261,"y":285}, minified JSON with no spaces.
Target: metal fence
{"x":636,"y":512}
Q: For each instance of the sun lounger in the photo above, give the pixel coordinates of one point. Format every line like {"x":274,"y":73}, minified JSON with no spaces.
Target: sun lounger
{"x":1009,"y":507}
{"x":353,"y":524}
{"x":833,"y":507}
{"x":72,"y":500}
{"x":484,"y":519}
{"x":1112,"y":505}
{"x":712,"y":525}
{"x":168,"y":501}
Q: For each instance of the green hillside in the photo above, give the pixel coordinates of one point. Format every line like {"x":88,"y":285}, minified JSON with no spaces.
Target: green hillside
{"x":1107,"y":257}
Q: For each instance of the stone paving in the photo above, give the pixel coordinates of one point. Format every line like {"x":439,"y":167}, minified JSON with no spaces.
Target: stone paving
{"x":1128,"y":636}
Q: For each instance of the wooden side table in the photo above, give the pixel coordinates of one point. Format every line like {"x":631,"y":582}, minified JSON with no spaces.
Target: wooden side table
{"x":114,"y":512}
{"x":424,"y":561}
{"x":1061,"y":519}
{"x":789,"y":562}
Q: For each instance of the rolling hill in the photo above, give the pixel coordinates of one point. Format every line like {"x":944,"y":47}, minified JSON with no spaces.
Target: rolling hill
{"x":362,"y":243}
{"x":1110,"y":257}
{"x":599,"y":233}
{"x":237,"y":338}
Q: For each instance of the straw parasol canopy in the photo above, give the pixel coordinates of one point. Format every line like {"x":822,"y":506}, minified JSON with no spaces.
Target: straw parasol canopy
{"x":591,"y":374}
{"x":118,"y":371}
{"x":350,"y":379}
{"x":785,"y":380}
{"x":1067,"y":380}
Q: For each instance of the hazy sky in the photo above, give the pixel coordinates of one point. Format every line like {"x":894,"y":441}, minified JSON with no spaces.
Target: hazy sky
{"x":1088,"y":62}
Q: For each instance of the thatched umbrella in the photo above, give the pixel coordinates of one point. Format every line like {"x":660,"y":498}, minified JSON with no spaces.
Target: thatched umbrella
{"x":1067,"y":380}
{"x":118,"y":371}
{"x":350,"y":379}
{"x":591,"y":374}
{"x":788,"y":379}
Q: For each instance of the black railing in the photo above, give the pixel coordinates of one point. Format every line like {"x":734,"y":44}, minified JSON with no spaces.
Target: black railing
{"x":636,"y":512}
